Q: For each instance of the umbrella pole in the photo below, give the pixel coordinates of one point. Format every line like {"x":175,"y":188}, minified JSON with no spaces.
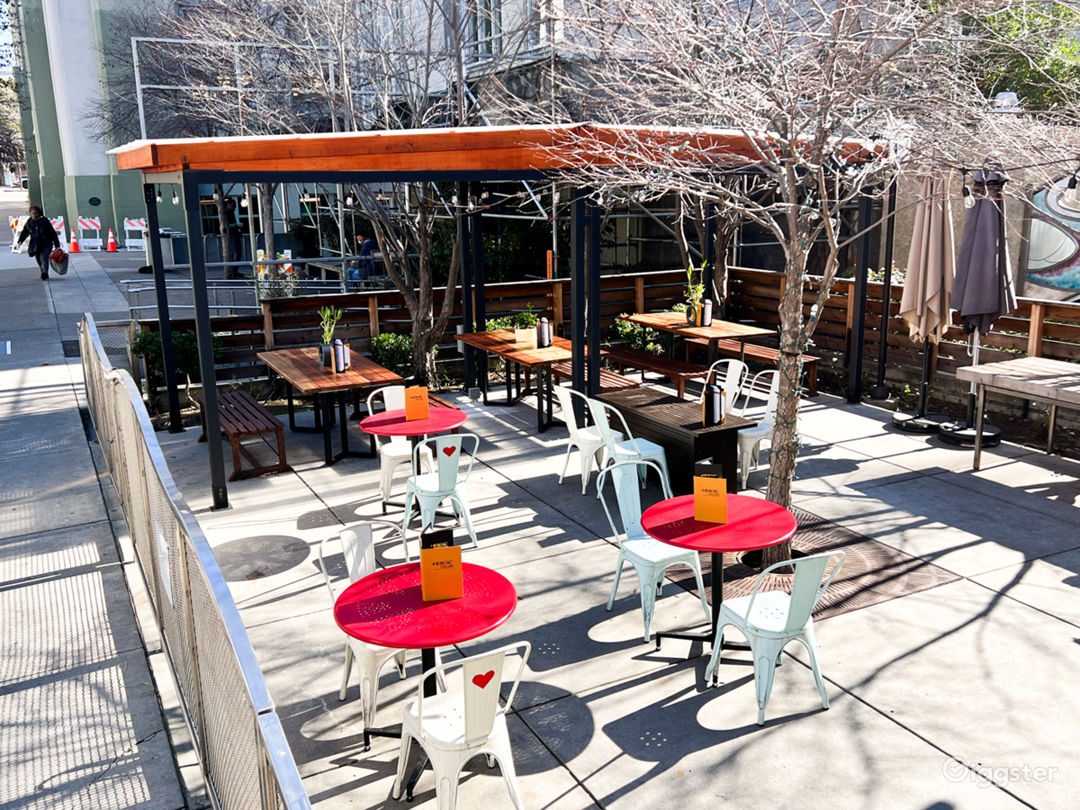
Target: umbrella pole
{"x":921,"y":421}
{"x":963,"y":433}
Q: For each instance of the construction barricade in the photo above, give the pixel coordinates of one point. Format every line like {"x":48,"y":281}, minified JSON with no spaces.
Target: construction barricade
{"x":88,"y":225}
{"x":138,"y":241}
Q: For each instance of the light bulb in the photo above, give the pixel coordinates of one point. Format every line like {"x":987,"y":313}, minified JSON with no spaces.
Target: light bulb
{"x":969,"y":198}
{"x":158,"y":195}
{"x":175,"y":198}
{"x":349,"y":201}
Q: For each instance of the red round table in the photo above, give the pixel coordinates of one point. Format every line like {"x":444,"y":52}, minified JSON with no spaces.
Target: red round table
{"x":387,"y":608}
{"x":753,"y":523}
{"x":394,"y":423}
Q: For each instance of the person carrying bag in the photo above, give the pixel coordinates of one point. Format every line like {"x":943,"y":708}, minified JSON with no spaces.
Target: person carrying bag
{"x":43,"y":239}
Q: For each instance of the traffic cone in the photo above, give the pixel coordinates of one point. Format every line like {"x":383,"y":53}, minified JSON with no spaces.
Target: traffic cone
{"x":110,"y":246}
{"x":73,"y":247}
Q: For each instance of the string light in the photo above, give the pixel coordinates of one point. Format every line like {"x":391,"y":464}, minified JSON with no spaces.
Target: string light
{"x":175,"y":197}
{"x":158,"y":195}
{"x":244,"y":201}
{"x":349,"y":201}
{"x":965,"y":192}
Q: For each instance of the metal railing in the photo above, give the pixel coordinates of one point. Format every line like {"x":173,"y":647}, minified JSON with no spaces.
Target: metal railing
{"x":239,"y":739}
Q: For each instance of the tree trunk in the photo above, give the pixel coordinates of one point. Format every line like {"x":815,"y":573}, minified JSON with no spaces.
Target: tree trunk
{"x":785,"y":439}
{"x":266,"y":216}
{"x":223,"y":231}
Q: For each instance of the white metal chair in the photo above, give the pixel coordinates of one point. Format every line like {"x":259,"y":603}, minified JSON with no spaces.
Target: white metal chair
{"x":771,"y":619}
{"x":650,"y":557}
{"x":359,"y":552}
{"x":729,"y":374}
{"x":764,"y":387}
{"x":628,"y":449}
{"x":586,"y":439}
{"x":428,"y":490}
{"x":463,"y":722}
{"x":398,"y":450}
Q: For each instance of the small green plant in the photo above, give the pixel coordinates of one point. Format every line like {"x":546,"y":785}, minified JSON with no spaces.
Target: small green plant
{"x":330,"y":317}
{"x":519,"y":320}
{"x":393,"y":351}
{"x":695,"y":291}
{"x":147,"y":345}
{"x":635,"y":336}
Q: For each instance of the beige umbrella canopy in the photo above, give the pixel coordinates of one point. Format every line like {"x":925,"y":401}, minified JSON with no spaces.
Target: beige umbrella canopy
{"x":931,"y":262}
{"x":928,"y":286}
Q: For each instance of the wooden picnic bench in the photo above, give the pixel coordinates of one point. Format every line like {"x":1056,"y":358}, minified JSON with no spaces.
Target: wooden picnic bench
{"x":243,"y":417}
{"x":677,"y":371}
{"x":609,"y":380}
{"x":763,"y":354}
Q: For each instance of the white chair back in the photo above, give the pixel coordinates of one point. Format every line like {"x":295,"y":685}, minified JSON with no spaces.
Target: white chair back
{"x":807,"y":587}
{"x":482,"y":680}
{"x":393,"y":398}
{"x":599,"y":411}
{"x":729,"y":374}
{"x":447,"y":451}
{"x":566,"y":402}
{"x":763,"y":388}
{"x":358,"y":549}
{"x":625,"y":476}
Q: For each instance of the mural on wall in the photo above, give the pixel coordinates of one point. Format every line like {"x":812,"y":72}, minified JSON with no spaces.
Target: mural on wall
{"x":1053,"y":261}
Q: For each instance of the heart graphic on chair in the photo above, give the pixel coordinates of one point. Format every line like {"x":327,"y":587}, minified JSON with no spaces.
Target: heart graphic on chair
{"x":485,"y":679}
{"x":449,"y":451}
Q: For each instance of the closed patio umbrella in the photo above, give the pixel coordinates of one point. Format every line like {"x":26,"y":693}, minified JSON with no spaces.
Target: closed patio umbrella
{"x":928,"y":286}
{"x":983,"y":291}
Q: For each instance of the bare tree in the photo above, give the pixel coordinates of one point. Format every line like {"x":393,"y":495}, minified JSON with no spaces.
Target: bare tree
{"x":832,"y":99}
{"x":275,"y":66}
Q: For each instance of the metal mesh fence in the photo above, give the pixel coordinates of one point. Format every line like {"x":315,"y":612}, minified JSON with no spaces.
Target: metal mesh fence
{"x":242,"y":750}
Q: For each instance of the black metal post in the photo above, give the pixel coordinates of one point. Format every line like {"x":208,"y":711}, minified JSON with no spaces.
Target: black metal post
{"x":592,"y":358}
{"x":710,"y":251}
{"x":465,"y":258}
{"x":881,"y":390}
{"x":858,"y":327}
{"x":577,"y":292}
{"x":479,"y":280}
{"x":206,"y":341}
{"x":164,"y":324}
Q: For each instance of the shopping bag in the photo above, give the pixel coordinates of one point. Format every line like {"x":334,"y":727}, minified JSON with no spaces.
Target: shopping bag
{"x":59,"y":261}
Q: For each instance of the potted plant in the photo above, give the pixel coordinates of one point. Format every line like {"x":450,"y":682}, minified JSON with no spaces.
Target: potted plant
{"x":695,"y":291}
{"x":525,"y":326}
{"x":329,"y":319}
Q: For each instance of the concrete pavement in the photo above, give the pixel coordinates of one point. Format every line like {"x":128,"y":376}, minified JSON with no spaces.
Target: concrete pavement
{"x":80,"y":722}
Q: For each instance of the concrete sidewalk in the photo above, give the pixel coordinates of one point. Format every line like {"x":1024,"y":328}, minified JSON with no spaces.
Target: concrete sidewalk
{"x":80,"y":721}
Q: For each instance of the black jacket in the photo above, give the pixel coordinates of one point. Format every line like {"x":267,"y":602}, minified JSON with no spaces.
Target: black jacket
{"x":41,"y":233}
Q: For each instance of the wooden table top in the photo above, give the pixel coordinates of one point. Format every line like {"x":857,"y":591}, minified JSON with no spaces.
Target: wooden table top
{"x":660,"y":407}
{"x":503,"y":343}
{"x":1040,"y":377}
{"x":301,"y":367}
{"x":676,"y":322}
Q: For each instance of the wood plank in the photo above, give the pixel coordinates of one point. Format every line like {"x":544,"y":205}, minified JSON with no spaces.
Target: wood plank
{"x":1038,"y":377}
{"x":301,"y":367}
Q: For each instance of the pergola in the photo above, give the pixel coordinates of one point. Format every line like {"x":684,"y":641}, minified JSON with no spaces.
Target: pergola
{"x":460,"y":155}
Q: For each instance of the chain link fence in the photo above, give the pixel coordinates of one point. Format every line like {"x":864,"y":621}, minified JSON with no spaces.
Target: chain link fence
{"x":238,"y":735}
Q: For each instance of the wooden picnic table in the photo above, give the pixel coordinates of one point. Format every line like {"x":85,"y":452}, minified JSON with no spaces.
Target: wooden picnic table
{"x":1054,"y":382}
{"x":675,"y":323}
{"x":300,"y":367}
{"x":522,"y":354}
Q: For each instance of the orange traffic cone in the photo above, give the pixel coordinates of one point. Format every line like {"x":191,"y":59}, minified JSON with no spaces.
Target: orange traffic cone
{"x":110,"y":246}
{"x":73,"y":247}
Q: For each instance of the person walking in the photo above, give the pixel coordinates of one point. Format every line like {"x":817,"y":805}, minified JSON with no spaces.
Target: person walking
{"x":43,"y":239}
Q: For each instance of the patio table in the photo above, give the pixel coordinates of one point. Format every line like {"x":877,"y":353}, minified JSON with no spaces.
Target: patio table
{"x":501,"y":342}
{"x":387,"y":608}
{"x":675,"y":424}
{"x":394,"y":423}
{"x":675,"y":324}
{"x":299,"y":366}
{"x":753,"y":523}
{"x":1053,"y":382}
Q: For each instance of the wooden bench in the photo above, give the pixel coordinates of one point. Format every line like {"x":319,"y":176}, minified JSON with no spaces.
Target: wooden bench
{"x":243,"y":417}
{"x":609,"y":380}
{"x":763,"y":354}
{"x":677,"y":371}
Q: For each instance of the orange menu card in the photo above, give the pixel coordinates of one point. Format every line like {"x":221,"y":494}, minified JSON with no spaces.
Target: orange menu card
{"x":416,"y":403}
{"x":440,"y":573}
{"x":710,"y":499}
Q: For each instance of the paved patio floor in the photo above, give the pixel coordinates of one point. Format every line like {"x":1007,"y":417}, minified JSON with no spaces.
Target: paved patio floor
{"x":955,"y":697}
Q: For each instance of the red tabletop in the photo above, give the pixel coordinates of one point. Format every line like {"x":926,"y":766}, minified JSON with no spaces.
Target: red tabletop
{"x":752,"y":523}
{"x":394,"y":423}
{"x":386,"y":608}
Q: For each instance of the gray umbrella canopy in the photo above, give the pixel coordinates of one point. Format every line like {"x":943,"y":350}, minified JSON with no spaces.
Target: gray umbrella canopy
{"x":984,"y":289}
{"x":931,"y":261}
